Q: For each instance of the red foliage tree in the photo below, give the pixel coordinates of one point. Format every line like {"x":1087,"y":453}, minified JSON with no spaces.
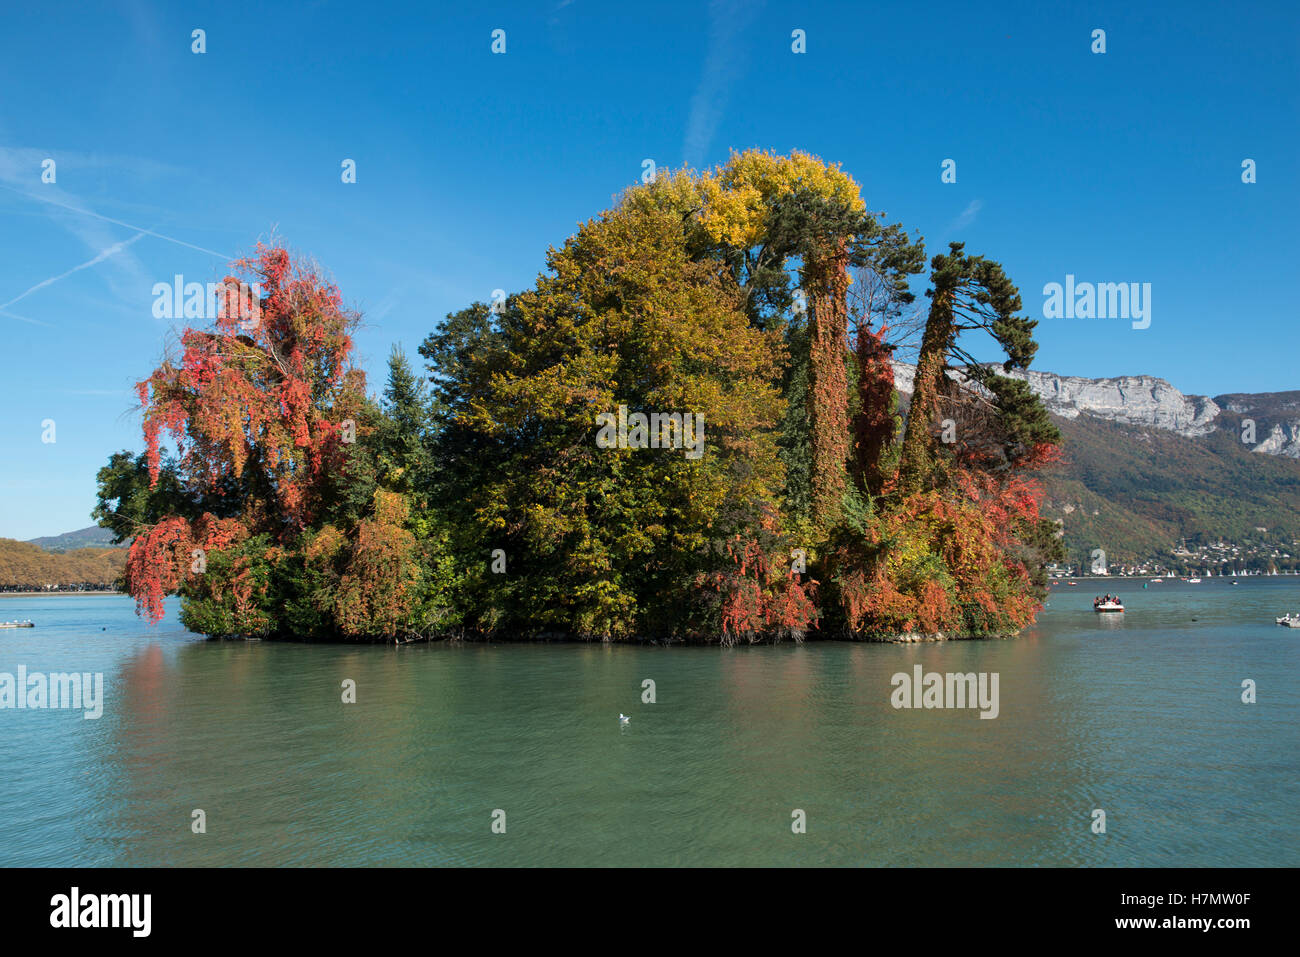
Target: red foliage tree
{"x":263,"y":398}
{"x":761,"y":592}
{"x":169,"y":553}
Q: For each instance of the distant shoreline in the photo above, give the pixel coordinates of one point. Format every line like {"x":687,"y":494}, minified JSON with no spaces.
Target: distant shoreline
{"x":55,"y":594}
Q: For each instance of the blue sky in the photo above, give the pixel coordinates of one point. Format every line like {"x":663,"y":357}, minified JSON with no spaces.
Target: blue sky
{"x":1115,"y":167}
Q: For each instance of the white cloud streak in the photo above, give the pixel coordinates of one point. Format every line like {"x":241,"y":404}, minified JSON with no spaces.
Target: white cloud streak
{"x":98,"y":258}
{"x":967,"y":216}
{"x":116,"y":222}
{"x":722,"y":64}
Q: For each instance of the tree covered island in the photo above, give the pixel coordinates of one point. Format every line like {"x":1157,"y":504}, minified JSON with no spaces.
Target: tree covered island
{"x":687,"y":429}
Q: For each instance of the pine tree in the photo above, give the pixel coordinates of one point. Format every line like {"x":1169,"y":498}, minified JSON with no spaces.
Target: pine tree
{"x":970,"y":293}
{"x":403,"y":433}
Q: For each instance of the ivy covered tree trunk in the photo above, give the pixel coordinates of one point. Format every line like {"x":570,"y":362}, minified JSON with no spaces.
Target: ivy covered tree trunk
{"x":827,"y":278}
{"x":917,"y":460}
{"x":875,"y":427}
{"x":971,"y":293}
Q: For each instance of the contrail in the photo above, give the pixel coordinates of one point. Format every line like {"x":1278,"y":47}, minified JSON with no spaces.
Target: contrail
{"x":116,"y":222}
{"x":104,"y":254}
{"x":34,"y":322}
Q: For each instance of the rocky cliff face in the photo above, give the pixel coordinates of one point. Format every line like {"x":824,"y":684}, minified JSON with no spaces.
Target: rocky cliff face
{"x":1276,"y":416}
{"x":1282,"y":440}
{"x":1148,"y":401}
{"x":1133,"y":400}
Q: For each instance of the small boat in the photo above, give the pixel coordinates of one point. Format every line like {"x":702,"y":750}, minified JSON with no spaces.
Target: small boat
{"x":1289,"y":621}
{"x":1194,"y":581}
{"x":1109,"y":603}
{"x":17,"y":624}
{"x":1072,"y":583}
{"x":1156,"y":581}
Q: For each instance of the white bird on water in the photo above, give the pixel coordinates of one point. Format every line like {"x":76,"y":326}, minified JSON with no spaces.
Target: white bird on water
{"x":623,"y":719}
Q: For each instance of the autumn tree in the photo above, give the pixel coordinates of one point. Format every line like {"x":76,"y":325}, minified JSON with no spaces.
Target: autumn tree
{"x":259,"y":408}
{"x":605,"y":541}
{"x":759,"y":214}
{"x":768,"y":498}
{"x":953,"y":542}
{"x":878,"y":303}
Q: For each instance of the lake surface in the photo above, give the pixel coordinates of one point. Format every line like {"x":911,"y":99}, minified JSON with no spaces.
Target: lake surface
{"x":1140,"y":717}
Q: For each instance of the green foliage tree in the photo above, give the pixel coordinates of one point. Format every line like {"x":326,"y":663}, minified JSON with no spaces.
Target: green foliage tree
{"x":604,"y":541}
{"x":128,"y":501}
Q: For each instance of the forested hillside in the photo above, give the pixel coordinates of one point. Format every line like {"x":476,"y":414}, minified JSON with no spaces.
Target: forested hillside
{"x":26,"y":566}
{"x":1136,"y":491}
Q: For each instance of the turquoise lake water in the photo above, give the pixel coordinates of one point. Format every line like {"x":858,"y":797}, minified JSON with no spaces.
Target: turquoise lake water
{"x":1141,"y":717}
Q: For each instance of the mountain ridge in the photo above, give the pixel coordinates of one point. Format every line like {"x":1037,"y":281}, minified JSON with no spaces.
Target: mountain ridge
{"x":92,"y":536}
{"x":1152,"y":401}
{"x":1147,"y":467}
